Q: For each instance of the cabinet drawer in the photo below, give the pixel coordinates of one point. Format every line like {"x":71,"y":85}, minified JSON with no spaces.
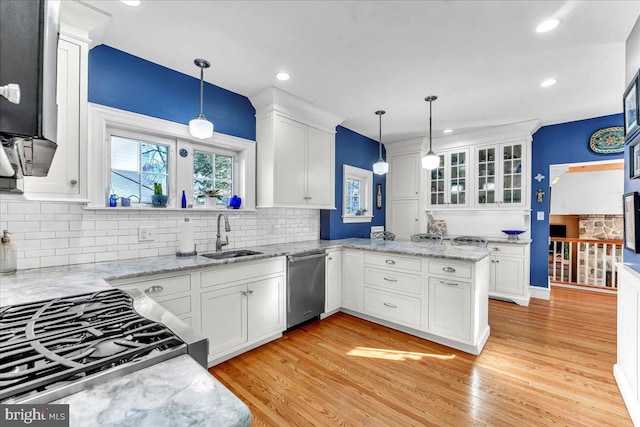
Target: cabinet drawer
{"x":450,"y":268}
{"x":392,"y":280}
{"x":177,"y":306}
{"x":393,"y":261}
{"x":240,"y":272}
{"x":156,"y":288}
{"x":392,"y":307}
{"x":506,"y":249}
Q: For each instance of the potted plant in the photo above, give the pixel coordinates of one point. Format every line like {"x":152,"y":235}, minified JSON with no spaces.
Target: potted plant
{"x":158,"y":200}
{"x":210,"y":198}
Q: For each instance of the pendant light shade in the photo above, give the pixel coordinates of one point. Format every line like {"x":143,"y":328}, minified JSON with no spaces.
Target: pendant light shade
{"x":431,"y":160}
{"x":200,"y":127}
{"x":380,"y":167}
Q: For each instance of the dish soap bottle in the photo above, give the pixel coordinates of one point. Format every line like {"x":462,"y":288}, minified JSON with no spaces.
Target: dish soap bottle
{"x":8,"y":255}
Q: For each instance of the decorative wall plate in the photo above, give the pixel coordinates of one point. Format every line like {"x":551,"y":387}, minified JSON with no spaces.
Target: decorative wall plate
{"x":607,"y":140}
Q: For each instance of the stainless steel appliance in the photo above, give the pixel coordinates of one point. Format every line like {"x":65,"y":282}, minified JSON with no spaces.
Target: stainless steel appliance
{"x":28,"y":108}
{"x":50,"y":349}
{"x":305,"y":287}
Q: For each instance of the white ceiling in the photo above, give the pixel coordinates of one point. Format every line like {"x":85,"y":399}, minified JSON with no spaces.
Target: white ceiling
{"x":483,"y":59}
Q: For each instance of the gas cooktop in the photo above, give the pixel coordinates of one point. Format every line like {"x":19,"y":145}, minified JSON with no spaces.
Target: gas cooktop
{"x":50,"y":349}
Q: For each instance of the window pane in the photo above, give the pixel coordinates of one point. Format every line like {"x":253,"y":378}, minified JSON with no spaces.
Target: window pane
{"x":213,"y":172}
{"x":353,"y":196}
{"x":125,"y":183}
{"x":124,"y":154}
{"x":154,"y":158}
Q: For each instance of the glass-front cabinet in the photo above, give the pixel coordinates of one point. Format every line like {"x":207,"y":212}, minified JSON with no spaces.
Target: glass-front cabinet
{"x":499,"y":175}
{"x":449,"y":183}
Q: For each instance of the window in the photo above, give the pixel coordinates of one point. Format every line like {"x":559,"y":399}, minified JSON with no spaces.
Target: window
{"x":136,"y":165}
{"x":357,"y":194}
{"x":212,"y":171}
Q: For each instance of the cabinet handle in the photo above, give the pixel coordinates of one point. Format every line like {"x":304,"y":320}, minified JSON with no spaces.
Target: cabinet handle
{"x":449,"y":269}
{"x":496,"y":249}
{"x":74,"y":181}
{"x":390,"y":261}
{"x":155,"y":289}
{"x":245,"y":293}
{"x":388,"y":304}
{"x":449,"y":283}
{"x":390,"y":280}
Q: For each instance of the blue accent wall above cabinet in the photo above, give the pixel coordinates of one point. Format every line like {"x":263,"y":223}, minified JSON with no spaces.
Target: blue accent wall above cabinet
{"x":362,"y":152}
{"x":120,"y":80}
{"x":559,"y":144}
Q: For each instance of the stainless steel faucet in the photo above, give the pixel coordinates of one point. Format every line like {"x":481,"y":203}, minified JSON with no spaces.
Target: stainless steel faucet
{"x":227,"y":228}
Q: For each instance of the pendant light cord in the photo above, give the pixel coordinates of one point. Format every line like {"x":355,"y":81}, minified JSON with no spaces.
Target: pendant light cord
{"x":380,"y":138}
{"x":430,"y":144}
{"x":201,"y":89}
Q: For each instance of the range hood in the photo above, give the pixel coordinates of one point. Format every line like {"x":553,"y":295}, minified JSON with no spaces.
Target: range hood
{"x":28,"y":108}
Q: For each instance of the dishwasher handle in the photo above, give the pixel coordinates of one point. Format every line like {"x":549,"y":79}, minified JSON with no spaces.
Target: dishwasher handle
{"x":296,"y":258}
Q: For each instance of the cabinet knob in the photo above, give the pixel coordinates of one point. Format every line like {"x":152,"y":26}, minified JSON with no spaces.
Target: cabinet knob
{"x":308,"y":198}
{"x":73,"y":181}
{"x":496,"y":249}
{"x":245,"y":293}
{"x":329,"y":258}
{"x":416,"y":219}
{"x":155,"y":289}
{"x":497,"y":260}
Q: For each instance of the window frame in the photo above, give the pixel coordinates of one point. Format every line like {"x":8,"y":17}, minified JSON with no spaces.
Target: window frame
{"x":366,"y":193}
{"x":103,"y":120}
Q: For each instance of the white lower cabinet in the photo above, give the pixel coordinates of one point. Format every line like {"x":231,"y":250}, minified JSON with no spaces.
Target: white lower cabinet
{"x":450,"y":307}
{"x":242,"y":306}
{"x":352,"y":279}
{"x":509,"y":272}
{"x":333,"y":279}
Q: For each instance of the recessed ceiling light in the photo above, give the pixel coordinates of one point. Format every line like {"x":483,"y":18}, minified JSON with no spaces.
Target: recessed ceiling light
{"x":282,"y":76}
{"x":548,"y":25}
{"x":131,"y":2}
{"x":548,"y":82}
{"x":447,"y":131}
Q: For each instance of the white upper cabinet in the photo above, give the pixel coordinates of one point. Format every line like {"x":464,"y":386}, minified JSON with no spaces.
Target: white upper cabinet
{"x":295,"y":152}
{"x":404,"y":175}
{"x":500,"y":174}
{"x":449,"y":183}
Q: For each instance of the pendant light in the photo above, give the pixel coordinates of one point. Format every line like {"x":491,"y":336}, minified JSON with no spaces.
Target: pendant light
{"x":200,"y":127}
{"x":380,"y":167}
{"x":431,"y":160}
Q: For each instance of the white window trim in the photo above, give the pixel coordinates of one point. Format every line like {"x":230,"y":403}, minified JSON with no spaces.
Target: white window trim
{"x":102,"y":118}
{"x":366,"y":198}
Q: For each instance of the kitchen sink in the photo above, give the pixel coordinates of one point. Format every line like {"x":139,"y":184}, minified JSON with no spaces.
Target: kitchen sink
{"x":231,"y":254}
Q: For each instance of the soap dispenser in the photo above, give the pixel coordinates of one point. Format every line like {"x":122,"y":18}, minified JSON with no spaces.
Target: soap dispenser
{"x":8,"y":255}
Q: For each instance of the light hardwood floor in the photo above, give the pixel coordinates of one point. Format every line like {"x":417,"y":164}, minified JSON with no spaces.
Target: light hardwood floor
{"x":547,"y":364}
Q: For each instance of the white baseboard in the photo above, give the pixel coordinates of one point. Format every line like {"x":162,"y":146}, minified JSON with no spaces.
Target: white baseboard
{"x":628,"y":394}
{"x":540,"y":292}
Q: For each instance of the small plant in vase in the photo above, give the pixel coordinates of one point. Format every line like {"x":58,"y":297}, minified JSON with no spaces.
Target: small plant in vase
{"x":211,"y":197}
{"x":158,"y":200}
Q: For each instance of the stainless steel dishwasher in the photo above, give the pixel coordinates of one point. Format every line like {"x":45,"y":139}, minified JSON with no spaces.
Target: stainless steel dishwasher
{"x":305,"y":287}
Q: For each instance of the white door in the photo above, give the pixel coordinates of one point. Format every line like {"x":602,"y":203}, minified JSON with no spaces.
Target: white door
{"x":224,"y":318}
{"x":265,"y":307}
{"x":290,"y":159}
{"x":450,"y":308}
{"x":352,"y":280}
{"x":320,"y":166}
{"x":509,"y":275}
{"x":405,"y":176}
{"x":332,"y":280}
{"x":404,"y":218}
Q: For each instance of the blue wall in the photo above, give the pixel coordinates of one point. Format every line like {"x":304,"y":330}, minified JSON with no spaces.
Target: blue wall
{"x":558,"y":144}
{"x":120,"y":80}
{"x":362,"y":152}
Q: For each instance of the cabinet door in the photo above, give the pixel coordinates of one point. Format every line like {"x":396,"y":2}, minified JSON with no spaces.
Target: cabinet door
{"x":458,"y":178}
{"x":437,"y":184}
{"x":290,"y":162}
{"x":332,"y":280}
{"x":404,"y":218}
{"x":224,"y":318}
{"x":64,"y":175}
{"x":265,"y":309}
{"x":486,"y":176}
{"x":352,"y":280}
{"x":405,"y":176}
{"x":450,"y":307}
{"x":511,"y":177}
{"x":509,"y":274}
{"x":320,"y":168}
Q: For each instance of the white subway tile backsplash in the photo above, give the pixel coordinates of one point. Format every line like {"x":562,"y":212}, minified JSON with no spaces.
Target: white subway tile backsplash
{"x":57,"y":233}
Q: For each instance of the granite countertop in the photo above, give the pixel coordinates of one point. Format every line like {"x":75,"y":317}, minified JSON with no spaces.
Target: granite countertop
{"x":177,"y":392}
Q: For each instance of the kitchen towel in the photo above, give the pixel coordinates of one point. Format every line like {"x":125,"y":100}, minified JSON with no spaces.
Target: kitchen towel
{"x":186,"y":237}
